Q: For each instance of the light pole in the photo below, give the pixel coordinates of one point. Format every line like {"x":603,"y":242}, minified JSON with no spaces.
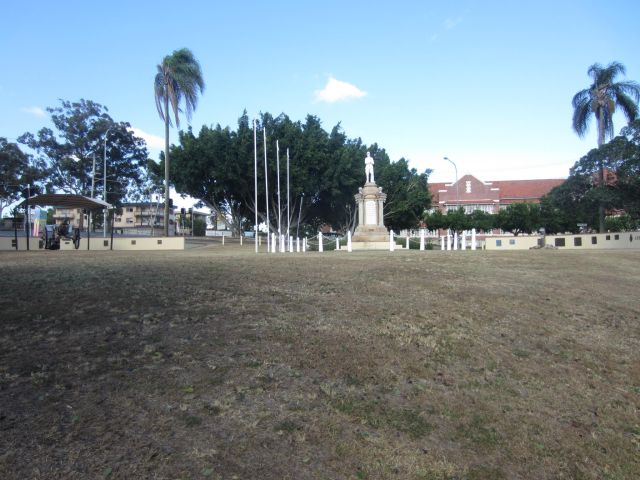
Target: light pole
{"x":457,"y":186}
{"x":104,"y":183}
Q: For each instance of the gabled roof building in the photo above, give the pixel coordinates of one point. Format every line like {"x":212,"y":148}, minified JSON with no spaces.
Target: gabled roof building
{"x":473,"y":194}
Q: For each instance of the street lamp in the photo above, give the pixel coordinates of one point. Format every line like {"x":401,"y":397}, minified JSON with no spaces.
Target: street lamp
{"x":457,"y":186}
{"x":104,"y":183}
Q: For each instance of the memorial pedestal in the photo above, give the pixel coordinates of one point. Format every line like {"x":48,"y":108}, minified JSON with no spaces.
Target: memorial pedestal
{"x":370,"y":234}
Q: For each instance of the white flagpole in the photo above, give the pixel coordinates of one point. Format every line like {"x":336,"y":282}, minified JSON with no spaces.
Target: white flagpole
{"x":266,"y":185}
{"x":278,"y":174}
{"x":288,"y":217}
{"x":255,"y":186}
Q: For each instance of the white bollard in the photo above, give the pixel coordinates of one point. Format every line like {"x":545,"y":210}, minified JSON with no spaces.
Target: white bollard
{"x":407,"y":247}
{"x":421,"y":239}
{"x":240,"y":239}
{"x":320,"y":248}
{"x":442,"y":243}
{"x":349,"y":246}
{"x":473,"y":239}
{"x":273,"y":243}
{"x":337,"y":243}
{"x":448,"y":242}
{"x":304,"y":244}
{"x":223,"y":240}
{"x":455,"y":240}
{"x":464,"y":241}
{"x":291,"y":243}
{"x":298,"y":244}
{"x":391,"y":242}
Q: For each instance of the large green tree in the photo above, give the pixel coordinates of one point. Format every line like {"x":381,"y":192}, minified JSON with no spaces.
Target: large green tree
{"x":407,"y":190}
{"x":178,"y":81}
{"x":519,"y":218}
{"x":18,"y":171}
{"x":600,"y":100}
{"x":326,"y":169}
{"x":570,"y":204}
{"x":84,"y":131}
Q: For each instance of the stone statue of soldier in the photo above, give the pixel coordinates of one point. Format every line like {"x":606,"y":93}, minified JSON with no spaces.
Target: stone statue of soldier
{"x":368,"y":169}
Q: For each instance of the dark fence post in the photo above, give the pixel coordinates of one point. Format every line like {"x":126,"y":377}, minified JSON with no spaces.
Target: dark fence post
{"x":112,"y":217}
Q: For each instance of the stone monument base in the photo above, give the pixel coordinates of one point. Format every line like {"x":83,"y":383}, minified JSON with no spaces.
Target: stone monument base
{"x":370,"y":233}
{"x":370,"y":245}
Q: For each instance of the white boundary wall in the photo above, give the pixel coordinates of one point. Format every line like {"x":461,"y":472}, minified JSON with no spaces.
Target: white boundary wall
{"x":101,"y":243}
{"x":584,"y":241}
{"x":511,"y":243}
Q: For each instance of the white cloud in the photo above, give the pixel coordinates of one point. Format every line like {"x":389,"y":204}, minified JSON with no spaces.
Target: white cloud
{"x":153,"y":141}
{"x":35,"y":111}
{"x":451,"y":23}
{"x":337,"y":91}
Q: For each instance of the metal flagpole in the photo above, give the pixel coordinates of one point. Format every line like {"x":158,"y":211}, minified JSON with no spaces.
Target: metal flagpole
{"x":288,"y":217}
{"x":279,"y":216}
{"x":266,"y":185}
{"x":255,"y":184}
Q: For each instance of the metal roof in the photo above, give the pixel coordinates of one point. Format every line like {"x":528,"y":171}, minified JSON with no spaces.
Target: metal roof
{"x":67,"y":201}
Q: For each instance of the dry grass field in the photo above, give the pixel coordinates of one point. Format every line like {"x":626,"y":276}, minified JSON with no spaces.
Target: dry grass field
{"x":215,"y":363}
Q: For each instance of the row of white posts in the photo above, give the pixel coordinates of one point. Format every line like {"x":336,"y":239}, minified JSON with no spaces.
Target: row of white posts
{"x":287,"y":244}
{"x":447,"y":242}
{"x":450,"y":242}
{"x":392,"y":243}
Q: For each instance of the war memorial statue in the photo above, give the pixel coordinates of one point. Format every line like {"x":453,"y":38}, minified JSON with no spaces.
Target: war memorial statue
{"x":370,"y":234}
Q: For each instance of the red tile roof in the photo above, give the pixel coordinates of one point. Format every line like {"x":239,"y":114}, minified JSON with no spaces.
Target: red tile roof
{"x":526,"y":189}
{"x":507,"y":191}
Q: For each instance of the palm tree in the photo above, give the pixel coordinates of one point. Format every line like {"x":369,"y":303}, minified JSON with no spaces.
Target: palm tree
{"x":601,"y":100}
{"x":179,"y":80}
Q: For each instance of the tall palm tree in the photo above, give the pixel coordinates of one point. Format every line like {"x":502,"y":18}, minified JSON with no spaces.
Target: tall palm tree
{"x":179,"y":80}
{"x":601,"y":100}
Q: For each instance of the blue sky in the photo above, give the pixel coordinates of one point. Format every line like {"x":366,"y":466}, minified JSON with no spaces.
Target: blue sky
{"x":488,"y":84}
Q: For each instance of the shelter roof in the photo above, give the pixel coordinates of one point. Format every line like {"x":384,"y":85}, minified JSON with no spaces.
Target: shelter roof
{"x":61,"y":200}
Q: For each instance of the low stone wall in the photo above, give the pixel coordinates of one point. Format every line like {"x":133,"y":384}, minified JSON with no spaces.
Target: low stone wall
{"x":510,"y":243}
{"x":100,"y":243}
{"x":585,"y":241}
{"x":149,"y":243}
{"x":7,"y":243}
{"x":593,"y":241}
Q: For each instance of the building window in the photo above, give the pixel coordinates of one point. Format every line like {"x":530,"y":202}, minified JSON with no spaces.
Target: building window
{"x":129,"y":209}
{"x":472,"y":207}
{"x":468,"y":186}
{"x":594,"y":240}
{"x":498,"y":243}
{"x":577,"y":241}
{"x":512,"y":241}
{"x":616,"y":237}
{"x":159,"y":242}
{"x":129,"y":220}
{"x":608,"y":237}
{"x":559,"y":242}
{"x":133,"y":242}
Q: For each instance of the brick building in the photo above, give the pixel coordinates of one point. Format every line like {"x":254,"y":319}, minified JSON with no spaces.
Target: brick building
{"x":473,"y":194}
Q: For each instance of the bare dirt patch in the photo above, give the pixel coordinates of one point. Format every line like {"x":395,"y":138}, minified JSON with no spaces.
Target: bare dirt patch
{"x":217,"y":363}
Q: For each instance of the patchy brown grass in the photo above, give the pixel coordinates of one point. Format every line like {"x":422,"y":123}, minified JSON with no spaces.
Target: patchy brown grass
{"x":216,"y":363}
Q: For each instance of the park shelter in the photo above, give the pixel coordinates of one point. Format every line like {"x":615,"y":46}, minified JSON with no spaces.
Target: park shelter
{"x":63,"y":200}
